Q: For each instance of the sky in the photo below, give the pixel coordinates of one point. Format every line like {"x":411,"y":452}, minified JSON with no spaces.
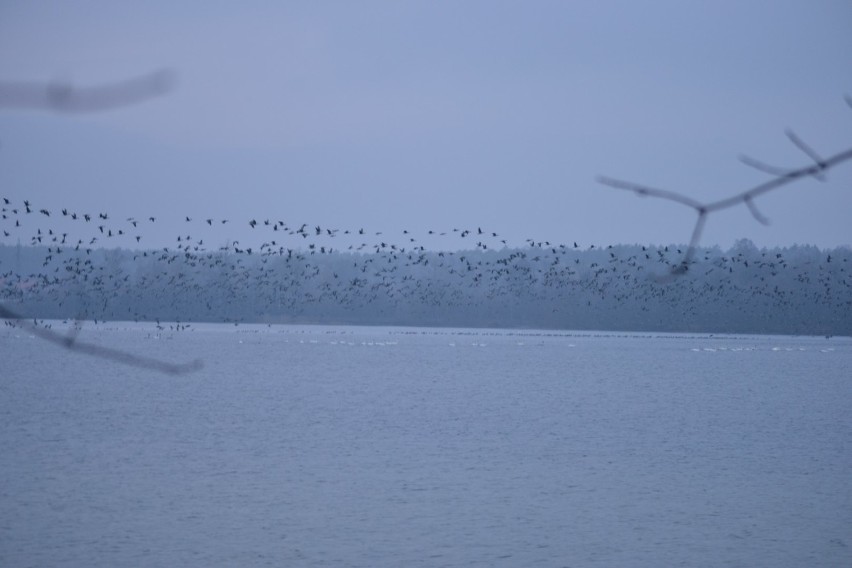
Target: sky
{"x":416,"y":116}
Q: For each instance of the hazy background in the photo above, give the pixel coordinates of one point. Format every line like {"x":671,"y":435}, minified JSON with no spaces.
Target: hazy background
{"x":425,"y":115}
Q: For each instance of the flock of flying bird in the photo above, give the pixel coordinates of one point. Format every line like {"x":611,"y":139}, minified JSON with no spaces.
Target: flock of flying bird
{"x":131,"y":228}
{"x":302,"y":272}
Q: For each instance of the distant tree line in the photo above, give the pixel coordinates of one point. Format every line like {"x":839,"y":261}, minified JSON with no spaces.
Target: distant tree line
{"x":792,"y":290}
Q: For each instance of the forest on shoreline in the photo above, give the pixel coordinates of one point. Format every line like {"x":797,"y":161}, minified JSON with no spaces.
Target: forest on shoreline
{"x":792,"y":290}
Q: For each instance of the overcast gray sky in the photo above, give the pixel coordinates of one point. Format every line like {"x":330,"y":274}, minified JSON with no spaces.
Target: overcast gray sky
{"x":438,"y":115}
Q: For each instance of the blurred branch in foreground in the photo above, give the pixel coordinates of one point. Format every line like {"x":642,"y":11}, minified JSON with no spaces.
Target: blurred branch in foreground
{"x":64,"y":97}
{"x":782,"y":177}
{"x":70,"y":342}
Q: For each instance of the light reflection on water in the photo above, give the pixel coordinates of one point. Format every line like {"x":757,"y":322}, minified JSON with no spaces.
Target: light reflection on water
{"x":349,"y":446}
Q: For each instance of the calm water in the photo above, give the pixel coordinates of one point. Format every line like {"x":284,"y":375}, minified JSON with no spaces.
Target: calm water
{"x":318,"y":446}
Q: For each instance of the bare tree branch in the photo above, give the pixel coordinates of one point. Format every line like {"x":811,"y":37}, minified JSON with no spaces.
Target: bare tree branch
{"x":70,"y":342}
{"x":64,"y":97}
{"x":782,"y":177}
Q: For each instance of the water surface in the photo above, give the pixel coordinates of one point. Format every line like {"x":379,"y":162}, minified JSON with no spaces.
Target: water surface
{"x":348,"y":446}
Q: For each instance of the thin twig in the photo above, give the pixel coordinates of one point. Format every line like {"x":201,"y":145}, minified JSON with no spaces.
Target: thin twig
{"x":70,"y":342}
{"x":765,"y":168}
{"x":645,"y":191}
{"x":759,"y":217}
{"x":800,"y":144}
{"x":64,"y":97}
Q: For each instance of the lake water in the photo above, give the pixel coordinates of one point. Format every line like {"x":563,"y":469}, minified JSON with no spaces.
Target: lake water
{"x":324,"y":446}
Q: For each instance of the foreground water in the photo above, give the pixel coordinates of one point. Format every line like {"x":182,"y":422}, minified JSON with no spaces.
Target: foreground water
{"x":321,"y":446}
